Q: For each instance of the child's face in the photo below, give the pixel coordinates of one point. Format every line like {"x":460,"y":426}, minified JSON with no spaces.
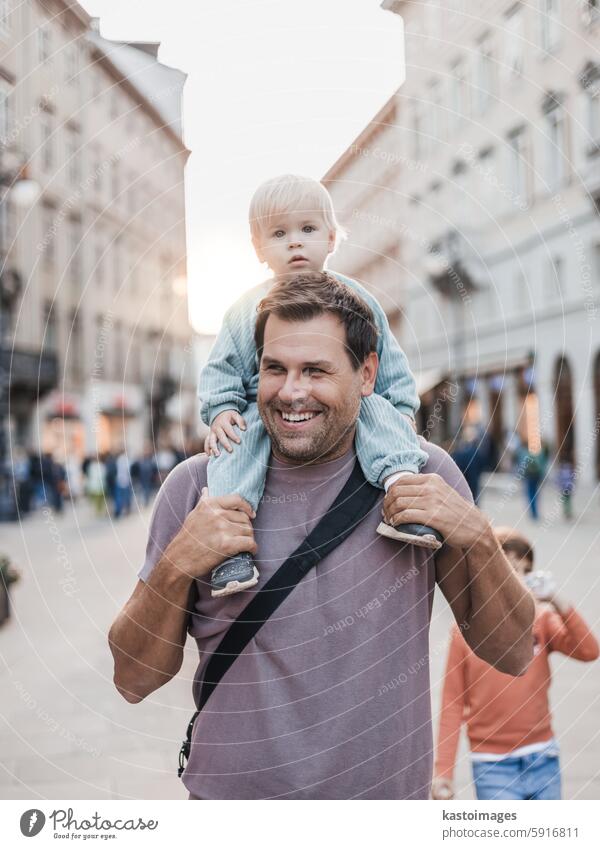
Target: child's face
{"x":295,"y":241}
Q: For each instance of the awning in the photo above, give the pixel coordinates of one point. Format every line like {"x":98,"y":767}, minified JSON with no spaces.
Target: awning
{"x":428,"y":380}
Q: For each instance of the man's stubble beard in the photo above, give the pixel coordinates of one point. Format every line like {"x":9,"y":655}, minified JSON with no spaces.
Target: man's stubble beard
{"x":316,"y":448}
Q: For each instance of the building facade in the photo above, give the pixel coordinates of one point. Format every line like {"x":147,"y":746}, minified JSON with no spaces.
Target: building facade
{"x":497,"y":182}
{"x":101,"y":255}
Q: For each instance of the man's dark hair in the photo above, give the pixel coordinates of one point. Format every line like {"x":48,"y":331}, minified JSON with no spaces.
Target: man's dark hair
{"x":306,"y":296}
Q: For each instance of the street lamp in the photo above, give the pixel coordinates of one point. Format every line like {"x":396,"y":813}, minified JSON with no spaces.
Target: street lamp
{"x":15,"y":182}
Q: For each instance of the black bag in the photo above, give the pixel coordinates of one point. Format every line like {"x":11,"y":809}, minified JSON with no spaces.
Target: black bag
{"x":355,"y":501}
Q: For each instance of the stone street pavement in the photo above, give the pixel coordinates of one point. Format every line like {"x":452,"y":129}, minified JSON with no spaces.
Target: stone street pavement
{"x":66,"y":733}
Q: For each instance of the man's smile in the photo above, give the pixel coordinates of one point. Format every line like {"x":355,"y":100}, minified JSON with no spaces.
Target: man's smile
{"x":294,"y":420}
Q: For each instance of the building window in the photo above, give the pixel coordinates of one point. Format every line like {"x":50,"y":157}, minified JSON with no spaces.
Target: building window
{"x":590,"y":11}
{"x":556,"y":142}
{"x":417,"y":130}
{"x":47,"y":141}
{"x":44,"y":39}
{"x":75,"y":347}
{"x":515,"y":42}
{"x":116,"y":248}
{"x":49,"y":327}
{"x":72,"y":60}
{"x":589,"y":79}
{"x":49,"y":236}
{"x":437,"y":115}
{"x":5,"y":113}
{"x":75,"y":258}
{"x":4,"y":15}
{"x":101,"y":347}
{"x":554,"y":279}
{"x":73,"y":155}
{"x":485,"y":74}
{"x":550,"y":31}
{"x":517,"y":175}
{"x":460,"y":92}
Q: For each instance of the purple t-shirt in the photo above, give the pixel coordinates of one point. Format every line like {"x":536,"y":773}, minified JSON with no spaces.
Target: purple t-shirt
{"x":331,"y":699}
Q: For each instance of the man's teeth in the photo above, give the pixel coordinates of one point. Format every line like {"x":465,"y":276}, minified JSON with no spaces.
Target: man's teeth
{"x":297,"y":417}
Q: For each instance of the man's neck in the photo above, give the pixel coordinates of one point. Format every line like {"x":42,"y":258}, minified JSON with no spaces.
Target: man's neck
{"x":339,"y":451}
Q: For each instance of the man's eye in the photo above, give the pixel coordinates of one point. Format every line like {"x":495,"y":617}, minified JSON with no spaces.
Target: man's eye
{"x":279,"y":234}
{"x":274,"y":368}
{"x":312,"y":370}
{"x":308,"y":228}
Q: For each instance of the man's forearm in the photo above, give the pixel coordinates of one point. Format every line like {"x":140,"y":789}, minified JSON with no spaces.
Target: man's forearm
{"x":148,"y":636}
{"x":501,"y":609}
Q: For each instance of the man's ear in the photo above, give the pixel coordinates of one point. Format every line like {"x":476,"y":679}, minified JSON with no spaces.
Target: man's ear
{"x":369,"y":374}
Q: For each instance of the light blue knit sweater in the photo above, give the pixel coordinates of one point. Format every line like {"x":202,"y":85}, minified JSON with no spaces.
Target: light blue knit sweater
{"x":229,"y":380}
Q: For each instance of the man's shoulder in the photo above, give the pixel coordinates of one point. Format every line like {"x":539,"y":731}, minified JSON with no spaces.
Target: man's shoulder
{"x":188,"y":477}
{"x":442,"y":464}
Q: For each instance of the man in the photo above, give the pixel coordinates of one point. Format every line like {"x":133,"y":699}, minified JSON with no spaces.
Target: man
{"x":330,"y":700}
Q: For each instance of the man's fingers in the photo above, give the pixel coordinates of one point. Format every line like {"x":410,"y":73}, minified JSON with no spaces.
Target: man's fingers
{"x":235,"y":502}
{"x":237,"y":517}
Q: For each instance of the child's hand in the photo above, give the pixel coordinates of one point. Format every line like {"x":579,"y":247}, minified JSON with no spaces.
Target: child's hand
{"x":222,"y":430}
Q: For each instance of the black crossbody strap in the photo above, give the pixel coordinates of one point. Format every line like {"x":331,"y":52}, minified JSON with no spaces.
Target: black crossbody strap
{"x":355,"y":500}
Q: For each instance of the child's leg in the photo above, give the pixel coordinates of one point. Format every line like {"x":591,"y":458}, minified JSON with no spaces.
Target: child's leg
{"x":243,"y":471}
{"x":388,"y":447}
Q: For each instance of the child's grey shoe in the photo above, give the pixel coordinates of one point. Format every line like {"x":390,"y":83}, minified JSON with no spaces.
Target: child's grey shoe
{"x":234,"y":575}
{"x":420,"y":535}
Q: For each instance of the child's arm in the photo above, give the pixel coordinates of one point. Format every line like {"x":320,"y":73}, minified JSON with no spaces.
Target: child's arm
{"x":395,"y":381}
{"x":221,"y":385}
{"x":567,"y":632}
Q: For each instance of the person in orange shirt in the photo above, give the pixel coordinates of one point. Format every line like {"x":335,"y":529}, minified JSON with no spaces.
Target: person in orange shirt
{"x":514,"y":752}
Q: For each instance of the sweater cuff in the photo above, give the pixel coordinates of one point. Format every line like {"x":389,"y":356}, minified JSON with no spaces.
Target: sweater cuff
{"x":215,"y":411}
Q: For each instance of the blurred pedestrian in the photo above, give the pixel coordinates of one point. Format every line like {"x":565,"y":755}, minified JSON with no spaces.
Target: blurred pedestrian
{"x":531,"y":465}
{"x":122,"y":487}
{"x":471,"y":457}
{"x":74,"y":477}
{"x":96,"y":484}
{"x":146,"y":474}
{"x":514,"y":753}
{"x":21,"y":469}
{"x":565,"y":479}
{"x":8,"y":576}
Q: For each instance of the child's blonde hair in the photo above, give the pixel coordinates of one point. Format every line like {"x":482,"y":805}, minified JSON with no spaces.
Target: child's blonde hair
{"x":287,"y":193}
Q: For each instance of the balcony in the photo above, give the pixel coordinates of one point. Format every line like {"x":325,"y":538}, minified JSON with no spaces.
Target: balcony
{"x":30,"y":373}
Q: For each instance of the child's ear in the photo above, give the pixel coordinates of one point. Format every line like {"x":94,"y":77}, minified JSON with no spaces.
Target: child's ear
{"x":331,"y":242}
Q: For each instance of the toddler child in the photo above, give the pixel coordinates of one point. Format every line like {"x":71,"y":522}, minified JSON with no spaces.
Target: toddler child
{"x":294,"y":229}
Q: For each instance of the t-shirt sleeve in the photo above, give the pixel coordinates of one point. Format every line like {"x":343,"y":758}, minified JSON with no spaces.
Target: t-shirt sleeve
{"x":441,"y":463}
{"x":177,"y":497}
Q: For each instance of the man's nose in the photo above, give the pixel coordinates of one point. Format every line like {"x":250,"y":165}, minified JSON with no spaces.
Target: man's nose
{"x":295,"y":388}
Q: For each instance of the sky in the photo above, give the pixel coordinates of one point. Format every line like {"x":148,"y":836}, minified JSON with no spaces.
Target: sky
{"x":274,"y":86}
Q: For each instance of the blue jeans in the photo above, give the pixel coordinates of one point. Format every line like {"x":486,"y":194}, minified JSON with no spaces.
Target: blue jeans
{"x":535,"y":776}
{"x":122,"y":500}
{"x":533,"y":487}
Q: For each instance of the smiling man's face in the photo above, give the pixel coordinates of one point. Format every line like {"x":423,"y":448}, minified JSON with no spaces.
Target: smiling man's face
{"x":309,"y":394}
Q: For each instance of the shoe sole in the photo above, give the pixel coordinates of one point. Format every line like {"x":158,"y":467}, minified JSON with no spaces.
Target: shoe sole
{"x":427,"y":541}
{"x":233,"y":587}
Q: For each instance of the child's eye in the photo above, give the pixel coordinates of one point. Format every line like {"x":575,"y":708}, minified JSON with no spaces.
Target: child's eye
{"x":308,"y":228}
{"x":279,"y":234}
